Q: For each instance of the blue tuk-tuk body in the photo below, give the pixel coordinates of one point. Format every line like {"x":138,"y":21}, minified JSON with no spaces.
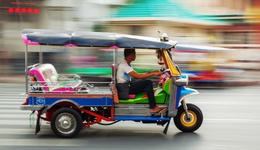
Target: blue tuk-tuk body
{"x":67,"y":102}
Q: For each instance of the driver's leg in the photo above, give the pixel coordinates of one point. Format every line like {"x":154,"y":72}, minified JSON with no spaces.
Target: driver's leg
{"x":141,"y":86}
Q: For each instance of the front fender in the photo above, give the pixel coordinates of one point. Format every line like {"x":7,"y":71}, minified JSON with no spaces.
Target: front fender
{"x":178,"y":93}
{"x":187,"y":92}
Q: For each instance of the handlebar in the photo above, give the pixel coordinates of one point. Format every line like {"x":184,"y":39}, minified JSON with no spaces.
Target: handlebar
{"x":179,"y":81}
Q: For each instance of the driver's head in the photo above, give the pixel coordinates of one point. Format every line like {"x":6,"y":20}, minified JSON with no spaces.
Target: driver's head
{"x":130,"y":52}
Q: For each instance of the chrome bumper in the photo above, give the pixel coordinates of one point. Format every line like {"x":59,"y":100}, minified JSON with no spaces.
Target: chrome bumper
{"x":30,"y":107}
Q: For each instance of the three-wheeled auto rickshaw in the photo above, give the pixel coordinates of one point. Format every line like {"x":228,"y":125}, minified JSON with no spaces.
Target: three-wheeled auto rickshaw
{"x":68,"y":103}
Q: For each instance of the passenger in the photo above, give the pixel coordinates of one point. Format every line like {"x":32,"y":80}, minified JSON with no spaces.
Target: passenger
{"x":125,"y":87}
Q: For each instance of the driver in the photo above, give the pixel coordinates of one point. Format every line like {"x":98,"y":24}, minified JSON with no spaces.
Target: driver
{"x":124,"y":73}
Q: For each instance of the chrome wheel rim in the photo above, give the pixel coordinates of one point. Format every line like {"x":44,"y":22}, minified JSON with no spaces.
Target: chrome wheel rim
{"x":66,"y":123}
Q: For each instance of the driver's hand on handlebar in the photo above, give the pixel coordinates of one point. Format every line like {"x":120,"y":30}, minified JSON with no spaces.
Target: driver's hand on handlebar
{"x":157,"y":72}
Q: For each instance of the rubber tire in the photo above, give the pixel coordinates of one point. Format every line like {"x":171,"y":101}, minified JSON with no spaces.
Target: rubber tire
{"x":192,"y":109}
{"x":74,"y":114}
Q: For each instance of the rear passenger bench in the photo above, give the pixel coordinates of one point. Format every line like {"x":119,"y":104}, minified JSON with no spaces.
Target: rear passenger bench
{"x":47,"y":77}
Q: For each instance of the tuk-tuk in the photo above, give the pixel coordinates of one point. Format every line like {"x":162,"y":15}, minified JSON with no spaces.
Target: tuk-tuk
{"x":68,"y":103}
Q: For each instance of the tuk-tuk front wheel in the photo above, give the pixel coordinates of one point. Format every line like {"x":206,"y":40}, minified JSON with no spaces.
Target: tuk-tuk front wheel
{"x":191,"y":123}
{"x":66,"y":122}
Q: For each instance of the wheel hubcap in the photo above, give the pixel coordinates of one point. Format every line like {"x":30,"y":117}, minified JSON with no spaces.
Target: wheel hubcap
{"x":65,"y":123}
{"x":188,"y":122}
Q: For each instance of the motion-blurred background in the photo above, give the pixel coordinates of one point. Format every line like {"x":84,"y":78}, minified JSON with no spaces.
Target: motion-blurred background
{"x":233,"y":25}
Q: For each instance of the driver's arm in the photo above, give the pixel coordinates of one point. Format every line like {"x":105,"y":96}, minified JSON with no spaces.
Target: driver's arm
{"x":144,"y":75}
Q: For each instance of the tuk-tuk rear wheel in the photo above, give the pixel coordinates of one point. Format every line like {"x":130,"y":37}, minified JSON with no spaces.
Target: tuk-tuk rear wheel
{"x":66,"y":122}
{"x":191,"y":123}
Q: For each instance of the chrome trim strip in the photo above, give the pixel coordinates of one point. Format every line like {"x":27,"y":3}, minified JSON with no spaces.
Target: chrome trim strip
{"x":31,"y":107}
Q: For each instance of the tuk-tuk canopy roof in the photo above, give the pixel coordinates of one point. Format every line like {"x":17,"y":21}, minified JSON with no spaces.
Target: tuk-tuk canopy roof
{"x":92,"y":39}
{"x":198,"y":48}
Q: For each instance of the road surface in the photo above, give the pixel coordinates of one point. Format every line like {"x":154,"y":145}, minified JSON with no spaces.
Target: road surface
{"x":231,"y":122}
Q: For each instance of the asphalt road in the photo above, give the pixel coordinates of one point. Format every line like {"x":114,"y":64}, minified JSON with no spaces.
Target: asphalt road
{"x":231,"y":122}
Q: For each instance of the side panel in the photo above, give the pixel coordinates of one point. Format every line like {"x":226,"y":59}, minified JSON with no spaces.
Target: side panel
{"x":140,"y":118}
{"x":141,"y":98}
{"x":81,"y":101}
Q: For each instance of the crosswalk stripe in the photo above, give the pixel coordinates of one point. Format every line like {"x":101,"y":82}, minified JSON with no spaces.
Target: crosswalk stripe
{"x":9,"y":107}
{"x":35,"y":142}
{"x":12,"y":100}
{"x":14,"y":111}
{"x":10,"y":103}
{"x":10,"y":94}
{"x":20,"y":116}
{"x":20,"y":131}
{"x":15,"y":122}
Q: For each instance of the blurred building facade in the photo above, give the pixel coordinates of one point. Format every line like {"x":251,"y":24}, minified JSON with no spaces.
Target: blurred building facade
{"x":232,"y":24}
